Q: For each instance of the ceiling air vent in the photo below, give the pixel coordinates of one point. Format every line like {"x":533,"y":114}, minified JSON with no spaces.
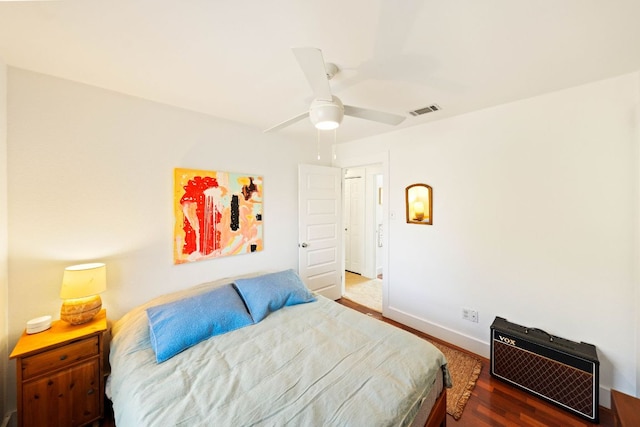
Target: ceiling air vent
{"x":425,"y":110}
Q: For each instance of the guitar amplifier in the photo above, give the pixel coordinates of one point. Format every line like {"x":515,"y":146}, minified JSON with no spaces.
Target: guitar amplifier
{"x":560,"y":371}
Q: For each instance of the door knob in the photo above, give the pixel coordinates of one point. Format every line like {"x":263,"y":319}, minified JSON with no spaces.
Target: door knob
{"x":304,"y":245}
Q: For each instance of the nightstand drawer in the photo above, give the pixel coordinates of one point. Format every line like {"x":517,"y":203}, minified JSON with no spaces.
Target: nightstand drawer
{"x":59,"y":357}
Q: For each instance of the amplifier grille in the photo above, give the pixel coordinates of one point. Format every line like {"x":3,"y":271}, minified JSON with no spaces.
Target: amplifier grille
{"x":561,"y":383}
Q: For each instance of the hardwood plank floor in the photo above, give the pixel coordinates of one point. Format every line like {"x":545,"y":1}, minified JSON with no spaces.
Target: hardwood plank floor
{"x":493,"y":403}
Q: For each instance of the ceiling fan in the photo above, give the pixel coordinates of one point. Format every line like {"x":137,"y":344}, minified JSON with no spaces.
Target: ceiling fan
{"x":326,"y":110}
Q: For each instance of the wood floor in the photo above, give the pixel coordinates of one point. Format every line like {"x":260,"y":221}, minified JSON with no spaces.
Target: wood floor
{"x":493,"y":403}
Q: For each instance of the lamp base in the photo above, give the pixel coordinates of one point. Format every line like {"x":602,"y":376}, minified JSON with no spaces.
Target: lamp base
{"x":80,"y":310}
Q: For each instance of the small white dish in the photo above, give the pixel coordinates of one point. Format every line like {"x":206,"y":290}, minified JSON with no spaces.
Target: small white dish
{"x":38,"y":324}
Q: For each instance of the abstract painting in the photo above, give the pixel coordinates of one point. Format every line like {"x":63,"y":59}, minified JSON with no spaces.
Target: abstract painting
{"x":216,"y":214}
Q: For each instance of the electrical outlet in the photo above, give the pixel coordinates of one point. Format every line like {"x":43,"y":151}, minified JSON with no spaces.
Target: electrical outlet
{"x":470,"y":314}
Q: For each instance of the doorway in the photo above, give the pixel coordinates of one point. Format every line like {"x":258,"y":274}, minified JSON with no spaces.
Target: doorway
{"x":363,"y":235}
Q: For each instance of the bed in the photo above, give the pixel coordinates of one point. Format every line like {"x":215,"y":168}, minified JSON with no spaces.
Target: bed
{"x":306,"y":363}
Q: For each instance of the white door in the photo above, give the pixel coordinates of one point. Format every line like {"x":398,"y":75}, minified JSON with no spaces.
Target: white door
{"x":346,"y":213}
{"x":319,"y":225}
{"x":354,"y":222}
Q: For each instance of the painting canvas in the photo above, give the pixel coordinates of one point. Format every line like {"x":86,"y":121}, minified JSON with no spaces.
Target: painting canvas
{"x":216,"y":214}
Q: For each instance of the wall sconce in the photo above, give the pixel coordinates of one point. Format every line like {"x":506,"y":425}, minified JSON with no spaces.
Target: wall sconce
{"x":419,"y":198}
{"x":81,"y":286}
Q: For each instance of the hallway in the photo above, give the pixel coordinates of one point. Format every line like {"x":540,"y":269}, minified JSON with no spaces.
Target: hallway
{"x":363,"y":290}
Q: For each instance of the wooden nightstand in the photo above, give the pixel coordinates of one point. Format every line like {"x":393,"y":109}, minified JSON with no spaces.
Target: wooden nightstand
{"x":60,"y":374}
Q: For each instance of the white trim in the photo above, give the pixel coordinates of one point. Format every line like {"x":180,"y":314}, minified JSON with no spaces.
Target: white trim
{"x":469,"y":343}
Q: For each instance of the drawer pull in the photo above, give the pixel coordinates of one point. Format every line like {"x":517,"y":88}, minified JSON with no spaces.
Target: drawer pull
{"x":91,"y":391}
{"x":63,"y":357}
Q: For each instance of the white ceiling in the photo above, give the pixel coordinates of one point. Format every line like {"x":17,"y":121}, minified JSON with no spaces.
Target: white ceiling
{"x":232,"y":59}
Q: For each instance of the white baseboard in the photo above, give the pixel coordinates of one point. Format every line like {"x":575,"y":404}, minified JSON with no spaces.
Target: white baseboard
{"x":605,"y":397}
{"x":471,"y":344}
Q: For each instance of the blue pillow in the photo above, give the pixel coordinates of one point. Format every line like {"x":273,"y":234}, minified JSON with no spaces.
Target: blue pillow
{"x":270,"y":292}
{"x":181,"y":324}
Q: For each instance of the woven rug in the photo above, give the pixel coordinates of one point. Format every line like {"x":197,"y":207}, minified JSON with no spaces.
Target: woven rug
{"x":465,"y":370}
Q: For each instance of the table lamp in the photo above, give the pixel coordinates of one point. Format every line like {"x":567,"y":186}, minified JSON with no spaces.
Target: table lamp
{"x":81,"y":286}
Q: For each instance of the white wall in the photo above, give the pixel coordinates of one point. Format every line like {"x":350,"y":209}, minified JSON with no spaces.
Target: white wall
{"x":4,"y":303}
{"x":535,"y":206}
{"x":535,"y":209}
{"x":91,"y":178}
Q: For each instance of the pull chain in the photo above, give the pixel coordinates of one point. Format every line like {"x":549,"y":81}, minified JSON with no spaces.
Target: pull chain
{"x":333,"y":148}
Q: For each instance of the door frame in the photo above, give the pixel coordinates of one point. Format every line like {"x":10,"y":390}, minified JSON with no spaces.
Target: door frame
{"x":367,"y":159}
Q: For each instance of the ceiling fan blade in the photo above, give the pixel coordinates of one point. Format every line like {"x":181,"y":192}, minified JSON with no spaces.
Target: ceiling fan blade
{"x":287,"y":122}
{"x":312,"y":64}
{"x":376,"y":116}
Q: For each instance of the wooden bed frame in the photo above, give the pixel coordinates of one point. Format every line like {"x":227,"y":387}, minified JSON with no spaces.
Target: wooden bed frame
{"x":438,"y":415}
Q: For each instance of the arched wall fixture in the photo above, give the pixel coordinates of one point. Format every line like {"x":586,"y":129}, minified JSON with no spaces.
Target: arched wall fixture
{"x":419,"y":200}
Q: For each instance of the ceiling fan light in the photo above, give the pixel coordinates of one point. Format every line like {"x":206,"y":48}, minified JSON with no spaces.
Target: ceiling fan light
{"x":327,"y":125}
{"x":326,"y":115}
